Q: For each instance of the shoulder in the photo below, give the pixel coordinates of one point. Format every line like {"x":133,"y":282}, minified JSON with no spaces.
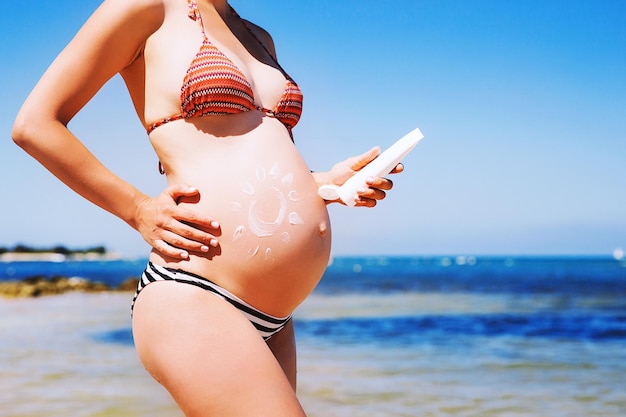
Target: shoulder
{"x":113,"y":36}
{"x":139,"y":12}
{"x":124,"y":23}
{"x":149,"y":6}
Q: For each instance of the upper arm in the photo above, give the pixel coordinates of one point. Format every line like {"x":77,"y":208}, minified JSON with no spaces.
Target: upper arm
{"x":110,"y":40}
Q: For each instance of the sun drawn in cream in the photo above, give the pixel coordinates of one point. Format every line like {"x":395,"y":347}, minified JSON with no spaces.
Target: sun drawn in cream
{"x":269,"y":205}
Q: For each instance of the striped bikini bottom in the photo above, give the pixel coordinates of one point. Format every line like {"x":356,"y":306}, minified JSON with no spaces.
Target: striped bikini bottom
{"x":266,"y":325}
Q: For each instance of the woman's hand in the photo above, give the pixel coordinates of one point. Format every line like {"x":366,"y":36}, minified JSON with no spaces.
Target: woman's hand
{"x":172,"y":230}
{"x":344,"y":170}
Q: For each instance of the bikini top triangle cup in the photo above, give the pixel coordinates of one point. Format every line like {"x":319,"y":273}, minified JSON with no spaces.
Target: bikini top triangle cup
{"x":214,"y":85}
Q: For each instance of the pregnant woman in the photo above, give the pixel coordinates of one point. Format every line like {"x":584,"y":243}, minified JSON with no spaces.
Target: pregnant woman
{"x":239,"y":237}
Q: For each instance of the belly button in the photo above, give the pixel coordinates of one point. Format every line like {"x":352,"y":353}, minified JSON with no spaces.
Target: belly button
{"x":323,"y":229}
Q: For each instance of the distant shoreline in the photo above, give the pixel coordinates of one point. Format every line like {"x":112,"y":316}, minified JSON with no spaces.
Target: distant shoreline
{"x":24,"y":253}
{"x":57,"y":257}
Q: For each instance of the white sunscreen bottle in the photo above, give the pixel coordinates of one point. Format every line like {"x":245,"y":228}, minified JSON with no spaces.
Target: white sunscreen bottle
{"x":382,"y":165}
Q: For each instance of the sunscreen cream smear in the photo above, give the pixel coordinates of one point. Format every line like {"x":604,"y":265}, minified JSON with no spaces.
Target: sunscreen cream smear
{"x":379,"y":167}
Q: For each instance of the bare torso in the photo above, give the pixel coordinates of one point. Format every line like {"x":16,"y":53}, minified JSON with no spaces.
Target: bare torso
{"x":274,"y":237}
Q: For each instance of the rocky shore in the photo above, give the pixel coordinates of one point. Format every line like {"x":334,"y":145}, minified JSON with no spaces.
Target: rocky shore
{"x":38,"y":286}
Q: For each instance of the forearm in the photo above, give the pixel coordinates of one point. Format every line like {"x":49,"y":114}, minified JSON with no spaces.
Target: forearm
{"x":57,"y":149}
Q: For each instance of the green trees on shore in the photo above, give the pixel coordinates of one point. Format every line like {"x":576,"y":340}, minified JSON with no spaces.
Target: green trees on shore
{"x":62,"y":250}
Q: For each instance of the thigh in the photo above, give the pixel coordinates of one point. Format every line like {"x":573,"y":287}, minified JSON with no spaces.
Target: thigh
{"x":283,"y":346}
{"x":208,"y":355}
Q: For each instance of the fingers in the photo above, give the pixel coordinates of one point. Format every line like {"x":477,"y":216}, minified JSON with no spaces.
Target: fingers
{"x":369,"y":196}
{"x":176,"y":239}
{"x":181,"y":234}
{"x":185,"y":231}
{"x":375,"y":191}
{"x":177,"y":191}
{"x":379,"y":183}
{"x":173,"y":230}
{"x":359,"y":161}
{"x":398,"y":169}
{"x":169,"y":251}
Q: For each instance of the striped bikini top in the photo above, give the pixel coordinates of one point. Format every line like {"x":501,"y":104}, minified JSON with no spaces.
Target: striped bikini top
{"x":214,"y":85}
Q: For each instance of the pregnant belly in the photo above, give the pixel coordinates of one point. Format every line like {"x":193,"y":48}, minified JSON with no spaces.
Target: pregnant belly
{"x":274,"y":238}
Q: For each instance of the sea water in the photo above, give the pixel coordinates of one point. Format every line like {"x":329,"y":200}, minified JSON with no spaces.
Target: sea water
{"x":380,"y":336}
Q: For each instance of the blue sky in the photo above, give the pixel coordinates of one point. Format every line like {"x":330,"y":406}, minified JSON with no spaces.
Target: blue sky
{"x":522,"y":104}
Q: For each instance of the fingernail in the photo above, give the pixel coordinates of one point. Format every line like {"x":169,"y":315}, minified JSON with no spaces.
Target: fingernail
{"x":369,"y":180}
{"x":361,"y":190}
{"x":213,"y":242}
{"x":184,"y":255}
{"x":204,"y":248}
{"x":215,"y":224}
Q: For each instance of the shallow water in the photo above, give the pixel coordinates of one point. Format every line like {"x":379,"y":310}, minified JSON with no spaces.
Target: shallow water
{"x":461,"y":355}
{"x":70,"y":355}
{"x":52,"y":365}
